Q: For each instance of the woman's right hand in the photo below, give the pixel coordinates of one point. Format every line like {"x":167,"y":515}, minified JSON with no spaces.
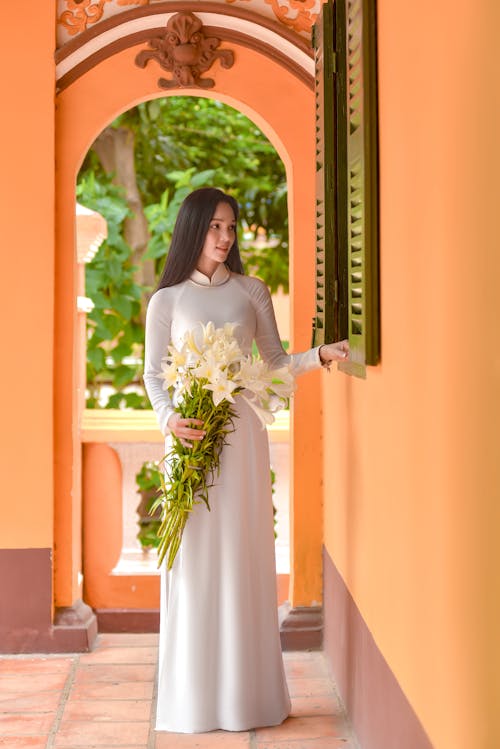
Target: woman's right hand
{"x":183,"y":429}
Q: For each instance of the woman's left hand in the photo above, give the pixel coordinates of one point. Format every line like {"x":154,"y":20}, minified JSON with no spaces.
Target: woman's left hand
{"x":330,"y":352}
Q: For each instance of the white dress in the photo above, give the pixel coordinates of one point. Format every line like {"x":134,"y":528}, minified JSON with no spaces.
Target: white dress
{"x":220,"y":662}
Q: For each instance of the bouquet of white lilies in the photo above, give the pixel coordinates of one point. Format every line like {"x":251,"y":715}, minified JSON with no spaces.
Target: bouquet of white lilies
{"x":203,"y":377}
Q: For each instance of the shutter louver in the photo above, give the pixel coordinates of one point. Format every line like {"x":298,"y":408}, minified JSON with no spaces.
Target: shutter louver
{"x":325,"y":321}
{"x":362,"y":187}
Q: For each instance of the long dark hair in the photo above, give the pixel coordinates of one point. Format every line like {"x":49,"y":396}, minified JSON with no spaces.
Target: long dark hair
{"x":191,"y":227}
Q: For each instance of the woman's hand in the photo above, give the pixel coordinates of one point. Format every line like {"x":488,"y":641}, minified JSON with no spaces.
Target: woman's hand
{"x":183,"y":429}
{"x":330,"y":352}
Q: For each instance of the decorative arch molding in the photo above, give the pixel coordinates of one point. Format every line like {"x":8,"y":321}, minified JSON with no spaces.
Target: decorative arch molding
{"x":229,"y":24}
{"x":75,"y":16}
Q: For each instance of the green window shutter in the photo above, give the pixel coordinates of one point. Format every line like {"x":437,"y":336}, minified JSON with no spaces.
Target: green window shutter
{"x":359,"y":182}
{"x":347,"y":208}
{"x":325,"y":324}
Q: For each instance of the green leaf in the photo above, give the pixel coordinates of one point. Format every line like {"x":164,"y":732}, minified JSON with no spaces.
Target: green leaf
{"x":120,"y":352}
{"x":134,"y":400}
{"x":114,"y":269}
{"x":101,"y":331}
{"x":202,"y":178}
{"x":122,"y":305}
{"x":100,"y":301}
{"x":123,"y":375}
{"x":96,"y":357}
{"x":154,"y":109}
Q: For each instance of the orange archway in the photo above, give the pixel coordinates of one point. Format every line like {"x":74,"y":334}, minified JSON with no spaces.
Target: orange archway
{"x":97,"y":90}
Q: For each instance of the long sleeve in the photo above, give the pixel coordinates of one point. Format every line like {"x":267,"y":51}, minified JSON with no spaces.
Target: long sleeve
{"x":158,"y":326}
{"x":267,"y":337}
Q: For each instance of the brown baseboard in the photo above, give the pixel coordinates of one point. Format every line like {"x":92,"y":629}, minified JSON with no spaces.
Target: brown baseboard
{"x":301,"y":628}
{"x":379,"y":711}
{"x":128,"y":620}
{"x":26,"y":608}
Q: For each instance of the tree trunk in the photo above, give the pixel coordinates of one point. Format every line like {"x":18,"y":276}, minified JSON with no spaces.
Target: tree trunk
{"x":115,"y":148}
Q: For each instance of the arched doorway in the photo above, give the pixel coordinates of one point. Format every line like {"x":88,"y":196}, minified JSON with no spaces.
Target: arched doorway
{"x":145,"y":162}
{"x":273,"y":86}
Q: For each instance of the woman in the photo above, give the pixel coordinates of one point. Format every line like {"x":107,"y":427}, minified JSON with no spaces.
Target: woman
{"x":220,"y":663}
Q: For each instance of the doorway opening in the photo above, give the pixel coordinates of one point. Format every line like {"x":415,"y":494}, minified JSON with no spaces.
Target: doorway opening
{"x":136,"y":174}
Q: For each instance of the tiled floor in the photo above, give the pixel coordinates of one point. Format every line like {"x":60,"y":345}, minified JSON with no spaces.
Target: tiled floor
{"x":104,"y":699}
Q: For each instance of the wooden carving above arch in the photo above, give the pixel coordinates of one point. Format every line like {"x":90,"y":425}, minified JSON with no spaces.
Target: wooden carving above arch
{"x":221,"y":22}
{"x":185,"y":51}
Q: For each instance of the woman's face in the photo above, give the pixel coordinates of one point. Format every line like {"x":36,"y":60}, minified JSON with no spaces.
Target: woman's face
{"x":219,"y":239}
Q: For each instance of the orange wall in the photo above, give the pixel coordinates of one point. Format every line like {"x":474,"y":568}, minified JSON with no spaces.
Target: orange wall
{"x":411,"y":454}
{"x":26,"y":281}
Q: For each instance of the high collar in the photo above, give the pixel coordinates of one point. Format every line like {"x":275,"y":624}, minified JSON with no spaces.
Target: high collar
{"x":220,"y":276}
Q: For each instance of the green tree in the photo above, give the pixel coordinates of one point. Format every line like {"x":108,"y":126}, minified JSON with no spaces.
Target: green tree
{"x":136,"y":174}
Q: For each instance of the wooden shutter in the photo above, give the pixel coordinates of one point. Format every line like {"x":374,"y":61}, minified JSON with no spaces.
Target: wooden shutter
{"x":347,"y":180}
{"x":360,"y":182}
{"x":325,"y":325}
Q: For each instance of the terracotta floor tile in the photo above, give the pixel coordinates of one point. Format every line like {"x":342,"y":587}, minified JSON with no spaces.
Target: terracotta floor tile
{"x":294,"y":729}
{"x":322,"y":743}
{"x":24,"y":742}
{"x":140,"y":690}
{"x":128,"y":639}
{"x":305,"y":669}
{"x":120,"y":655}
{"x":16,"y":724}
{"x":89,"y":734}
{"x":304,"y":706}
{"x":26,"y":684}
{"x":38,"y":702}
{"x":110,"y":703}
{"x":34,"y":666}
{"x":303,"y":655}
{"x":310,"y":687}
{"x":212,"y":740}
{"x":115,"y":673}
{"x":106,"y":710}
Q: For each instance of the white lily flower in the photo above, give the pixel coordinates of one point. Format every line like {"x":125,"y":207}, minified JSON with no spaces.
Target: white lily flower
{"x":231,"y":351}
{"x":221,"y":390}
{"x":250,"y":375}
{"x":228,"y":330}
{"x":191,"y":345}
{"x":283,"y":374}
{"x":281,"y":381}
{"x":178,"y":356}
{"x":208,"y":367}
{"x":208,"y":333}
{"x":274,"y":403}
{"x":169,"y":374}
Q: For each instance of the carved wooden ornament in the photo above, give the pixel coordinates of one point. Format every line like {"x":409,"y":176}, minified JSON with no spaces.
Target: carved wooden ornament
{"x":186,"y":52}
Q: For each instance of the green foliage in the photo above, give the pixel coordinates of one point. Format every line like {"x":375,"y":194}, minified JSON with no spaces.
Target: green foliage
{"x":148,"y":481}
{"x":181,"y":143}
{"x":148,"y":477}
{"x":207,"y":142}
{"x":115,"y":336}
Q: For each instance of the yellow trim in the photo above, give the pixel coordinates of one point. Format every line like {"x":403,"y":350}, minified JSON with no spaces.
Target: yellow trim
{"x":114,"y":425}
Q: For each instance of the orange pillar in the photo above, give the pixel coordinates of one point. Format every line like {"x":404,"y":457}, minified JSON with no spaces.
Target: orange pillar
{"x":27,"y":292}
